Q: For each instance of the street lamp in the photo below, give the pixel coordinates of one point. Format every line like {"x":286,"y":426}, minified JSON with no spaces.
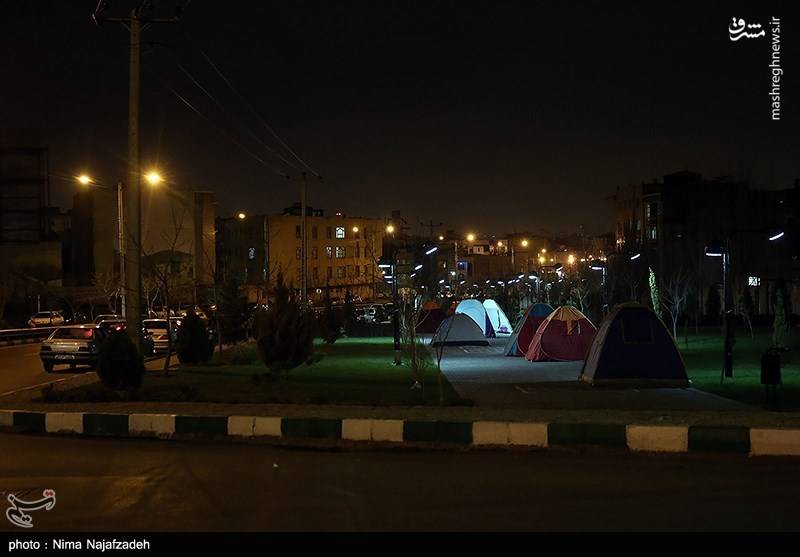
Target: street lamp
{"x":599,"y":265}
{"x":241,"y":216}
{"x":470,"y":237}
{"x":719,"y":249}
{"x":86,"y":180}
{"x":153,"y":178}
{"x":635,"y":256}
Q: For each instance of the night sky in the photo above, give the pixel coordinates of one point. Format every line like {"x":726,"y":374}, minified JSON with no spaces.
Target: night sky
{"x":489,"y":116}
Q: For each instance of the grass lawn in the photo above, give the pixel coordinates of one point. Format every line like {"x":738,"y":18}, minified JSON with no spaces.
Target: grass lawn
{"x":703,"y":358}
{"x":357,"y":371}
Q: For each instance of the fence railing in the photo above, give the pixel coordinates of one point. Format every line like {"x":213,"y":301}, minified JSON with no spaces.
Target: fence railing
{"x":31,"y":333}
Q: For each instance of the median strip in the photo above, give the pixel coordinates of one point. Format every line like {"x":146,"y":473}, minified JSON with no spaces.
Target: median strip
{"x":499,"y":434}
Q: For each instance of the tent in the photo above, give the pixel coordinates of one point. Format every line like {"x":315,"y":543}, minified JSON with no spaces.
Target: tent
{"x":475,"y":310}
{"x":632,"y":345}
{"x":429,"y":320}
{"x":565,"y":335}
{"x":526,"y":327}
{"x":459,"y":330}
{"x":497,"y":317}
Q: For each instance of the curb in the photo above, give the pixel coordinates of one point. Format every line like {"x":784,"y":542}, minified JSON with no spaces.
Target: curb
{"x":633,"y":437}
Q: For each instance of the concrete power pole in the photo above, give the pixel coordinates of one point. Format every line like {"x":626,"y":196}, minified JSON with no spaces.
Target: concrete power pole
{"x":133,"y":207}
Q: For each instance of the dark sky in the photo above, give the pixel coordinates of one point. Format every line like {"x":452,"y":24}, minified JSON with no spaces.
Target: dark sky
{"x":488,"y":116}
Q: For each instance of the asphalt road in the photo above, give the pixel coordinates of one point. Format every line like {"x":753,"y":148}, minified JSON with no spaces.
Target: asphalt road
{"x":147,"y":485}
{"x":21,"y":367}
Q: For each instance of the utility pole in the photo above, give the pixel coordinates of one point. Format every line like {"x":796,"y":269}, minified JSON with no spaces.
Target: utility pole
{"x":303,"y":239}
{"x":135,"y":23}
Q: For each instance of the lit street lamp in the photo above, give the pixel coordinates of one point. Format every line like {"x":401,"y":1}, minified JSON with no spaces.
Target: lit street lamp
{"x":87,"y":181}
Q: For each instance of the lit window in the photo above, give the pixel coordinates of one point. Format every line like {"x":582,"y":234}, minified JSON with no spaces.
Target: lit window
{"x":340,"y":232}
{"x":754,"y":281}
{"x":340,"y":252}
{"x":329,"y":251}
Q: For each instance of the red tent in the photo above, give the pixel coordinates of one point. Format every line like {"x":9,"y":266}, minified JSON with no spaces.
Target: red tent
{"x":565,"y":336}
{"x":526,"y":328}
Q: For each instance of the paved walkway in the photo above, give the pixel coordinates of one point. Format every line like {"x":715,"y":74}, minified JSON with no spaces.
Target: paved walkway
{"x":489,"y":378}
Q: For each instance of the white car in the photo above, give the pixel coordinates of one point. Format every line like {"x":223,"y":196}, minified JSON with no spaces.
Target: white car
{"x":46,"y":319}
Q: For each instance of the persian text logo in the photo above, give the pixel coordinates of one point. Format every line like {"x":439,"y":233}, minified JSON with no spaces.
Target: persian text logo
{"x":739,"y":29}
{"x":16,"y":513}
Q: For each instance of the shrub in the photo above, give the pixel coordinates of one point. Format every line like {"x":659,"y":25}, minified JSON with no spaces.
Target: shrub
{"x":193,"y":345}
{"x":119,"y":364}
{"x":330,"y":324}
{"x":284,"y":331}
{"x":242,"y":354}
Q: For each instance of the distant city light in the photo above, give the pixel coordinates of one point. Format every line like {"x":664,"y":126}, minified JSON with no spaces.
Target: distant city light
{"x":441,"y":281}
{"x":431,"y":250}
{"x":635,"y":256}
{"x":531,"y":277}
{"x":355,"y":230}
{"x":390,"y":229}
{"x":542,"y":260}
{"x":470,"y":237}
{"x":441,"y":237}
{"x":241,"y":216}
{"x":776,"y":236}
{"x":524,"y":243}
{"x":84,"y":179}
{"x":544,"y":250}
{"x":418,"y":267}
{"x":571,"y":259}
{"x":521,"y":276}
{"x":499,"y":244}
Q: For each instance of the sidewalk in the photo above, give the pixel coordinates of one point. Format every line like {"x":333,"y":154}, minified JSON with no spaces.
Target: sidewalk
{"x":486,"y":376}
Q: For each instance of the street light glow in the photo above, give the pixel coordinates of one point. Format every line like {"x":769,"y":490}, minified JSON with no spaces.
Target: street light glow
{"x":524,"y":243}
{"x":390,"y":229}
{"x":355,"y":230}
{"x":571,"y":259}
{"x":470,"y":237}
{"x":84,"y":179}
{"x":441,"y":237}
{"x":776,"y":236}
{"x":636,"y":256}
{"x":418,"y":267}
{"x":541,"y":260}
{"x":241,"y":216}
{"x":153,"y":177}
{"x":431,"y":250}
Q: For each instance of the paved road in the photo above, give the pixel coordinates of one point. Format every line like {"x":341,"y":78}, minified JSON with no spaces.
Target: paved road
{"x":21,"y":367}
{"x":485,"y":375}
{"x":117,"y":484}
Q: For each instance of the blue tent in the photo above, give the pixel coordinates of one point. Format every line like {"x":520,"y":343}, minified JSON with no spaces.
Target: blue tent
{"x":522,"y":336}
{"x":632,"y":345}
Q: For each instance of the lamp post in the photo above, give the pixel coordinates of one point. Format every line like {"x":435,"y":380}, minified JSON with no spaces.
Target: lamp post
{"x":85,"y":180}
{"x":722,"y":250}
{"x":391,"y":263}
{"x":599,"y":265}
{"x":719,"y":249}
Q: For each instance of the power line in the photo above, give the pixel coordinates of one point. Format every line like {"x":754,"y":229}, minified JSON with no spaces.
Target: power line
{"x":248,"y":104}
{"x":221,"y":107}
{"x":225,"y":132}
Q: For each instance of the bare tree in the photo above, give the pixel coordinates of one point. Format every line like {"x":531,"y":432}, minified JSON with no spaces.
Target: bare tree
{"x":674,"y":297}
{"x":167,"y":271}
{"x":110,"y":286}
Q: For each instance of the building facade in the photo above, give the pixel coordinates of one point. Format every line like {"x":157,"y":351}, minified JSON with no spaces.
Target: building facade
{"x":342,"y":253}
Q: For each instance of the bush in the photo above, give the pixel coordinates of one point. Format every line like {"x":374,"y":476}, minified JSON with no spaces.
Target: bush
{"x":330,"y":323}
{"x":119,"y":364}
{"x":242,"y":354}
{"x":285,"y":331}
{"x":193,"y":345}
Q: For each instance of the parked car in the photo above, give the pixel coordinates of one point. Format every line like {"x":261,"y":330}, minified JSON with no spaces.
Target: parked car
{"x":366,"y":315}
{"x":72,"y":345}
{"x":46,"y":319}
{"x":120,"y":325}
{"x":160,"y":331}
{"x":107,"y":316}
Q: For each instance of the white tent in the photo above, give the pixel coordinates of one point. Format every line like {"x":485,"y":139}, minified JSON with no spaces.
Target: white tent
{"x":500,"y":322}
{"x":475,"y":311}
{"x":459,"y":330}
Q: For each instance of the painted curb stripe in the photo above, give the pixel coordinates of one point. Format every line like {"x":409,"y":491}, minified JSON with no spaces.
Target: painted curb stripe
{"x":201,"y":425}
{"x":437,"y":432}
{"x":777,"y":442}
{"x":105,"y":424}
{"x":318,"y":428}
{"x":721,"y":439}
{"x":658,"y":438}
{"x":606,"y":435}
{"x":30,"y":421}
